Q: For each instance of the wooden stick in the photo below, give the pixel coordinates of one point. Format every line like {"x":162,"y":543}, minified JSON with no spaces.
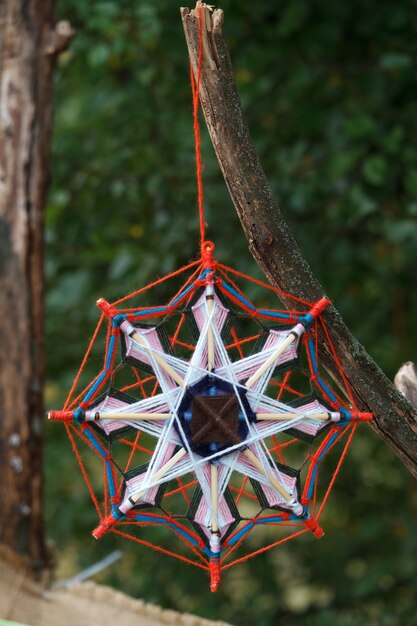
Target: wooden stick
{"x":278,"y":417}
{"x":280,"y":349}
{"x":159,"y":359}
{"x":214,"y":498}
{"x":163,"y":470}
{"x":273,"y":245}
{"x":210,"y":338}
{"x":256,"y":462}
{"x":130,"y":416}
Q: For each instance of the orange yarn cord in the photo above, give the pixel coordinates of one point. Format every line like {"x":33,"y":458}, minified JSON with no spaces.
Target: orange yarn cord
{"x":195,"y":88}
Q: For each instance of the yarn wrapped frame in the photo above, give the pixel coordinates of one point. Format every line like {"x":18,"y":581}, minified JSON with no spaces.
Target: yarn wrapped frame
{"x":211,"y":417}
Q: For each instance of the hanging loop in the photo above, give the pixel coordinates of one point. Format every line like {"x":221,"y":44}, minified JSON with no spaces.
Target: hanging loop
{"x":207,"y":255}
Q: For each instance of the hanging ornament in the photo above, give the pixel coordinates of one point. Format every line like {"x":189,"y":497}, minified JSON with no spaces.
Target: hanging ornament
{"x":210,"y":415}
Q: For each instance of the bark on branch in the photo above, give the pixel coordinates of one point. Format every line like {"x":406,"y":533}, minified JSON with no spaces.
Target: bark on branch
{"x":271,"y":242}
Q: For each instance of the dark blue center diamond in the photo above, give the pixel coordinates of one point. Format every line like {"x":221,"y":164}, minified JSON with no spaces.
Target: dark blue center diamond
{"x":214,"y":416}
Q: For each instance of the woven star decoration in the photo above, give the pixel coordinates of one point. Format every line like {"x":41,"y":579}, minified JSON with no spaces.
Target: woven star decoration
{"x":211,"y":417}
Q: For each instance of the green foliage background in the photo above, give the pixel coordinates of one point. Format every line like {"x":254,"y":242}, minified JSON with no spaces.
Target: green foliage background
{"x":328,"y":89}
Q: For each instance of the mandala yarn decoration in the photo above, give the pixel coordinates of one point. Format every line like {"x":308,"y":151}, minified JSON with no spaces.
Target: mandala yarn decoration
{"x":210,"y":414}
{"x":211,"y":417}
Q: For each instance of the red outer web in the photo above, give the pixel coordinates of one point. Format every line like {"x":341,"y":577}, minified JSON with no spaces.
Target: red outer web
{"x":238,"y":343}
{"x":145,"y":385}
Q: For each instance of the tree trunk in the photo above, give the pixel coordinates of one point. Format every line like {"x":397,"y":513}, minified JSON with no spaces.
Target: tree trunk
{"x":271,"y":242}
{"x":28,"y":47}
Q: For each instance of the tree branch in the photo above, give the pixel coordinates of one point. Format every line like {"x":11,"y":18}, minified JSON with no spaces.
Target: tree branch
{"x":271,"y":242}
{"x":29,"y":45}
{"x":59,"y":38}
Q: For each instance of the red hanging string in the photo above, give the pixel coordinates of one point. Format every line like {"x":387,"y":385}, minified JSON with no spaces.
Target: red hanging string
{"x":195,"y":87}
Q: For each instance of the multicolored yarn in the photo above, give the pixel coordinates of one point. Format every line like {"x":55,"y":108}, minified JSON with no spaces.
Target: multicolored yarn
{"x":201,"y":407}
{"x":210,"y":415}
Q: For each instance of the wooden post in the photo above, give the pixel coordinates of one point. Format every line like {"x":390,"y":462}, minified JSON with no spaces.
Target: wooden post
{"x":28,"y":47}
{"x":271,"y":242}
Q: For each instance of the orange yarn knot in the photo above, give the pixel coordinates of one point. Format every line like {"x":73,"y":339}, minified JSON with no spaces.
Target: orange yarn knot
{"x":107,"y":523}
{"x":214,"y":569}
{"x":319,"y":307}
{"x":312,"y":525}
{"x":62,"y":416}
{"x":207,"y":250}
{"x":107,"y":308}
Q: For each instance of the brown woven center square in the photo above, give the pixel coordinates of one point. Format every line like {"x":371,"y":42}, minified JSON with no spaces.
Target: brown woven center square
{"x":214,"y":419}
